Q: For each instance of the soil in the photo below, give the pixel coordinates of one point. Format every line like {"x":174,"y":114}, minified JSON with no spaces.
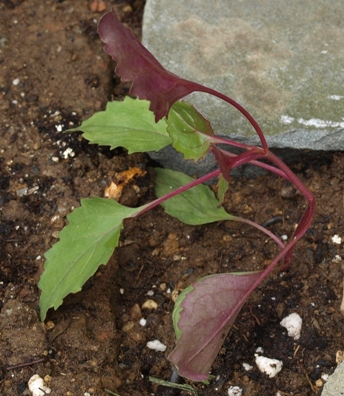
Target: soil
{"x":53,"y":74}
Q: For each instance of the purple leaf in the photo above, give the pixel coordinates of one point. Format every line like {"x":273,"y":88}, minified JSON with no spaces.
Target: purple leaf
{"x":226,"y":161}
{"x":135,"y":63}
{"x":202,"y":317}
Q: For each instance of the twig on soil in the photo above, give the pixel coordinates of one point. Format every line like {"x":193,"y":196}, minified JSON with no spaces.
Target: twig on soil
{"x":175,"y":384}
{"x":41,"y":360}
{"x":254,"y":316}
{"x":138,"y":275}
{"x":296,"y":350}
{"x":111,"y":393}
{"x":272,"y":221}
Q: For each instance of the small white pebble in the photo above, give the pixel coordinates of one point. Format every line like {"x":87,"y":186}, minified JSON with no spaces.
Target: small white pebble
{"x":59,"y":128}
{"x":234,"y":391}
{"x":336,"y":259}
{"x":150,"y":293}
{"x":156,"y":345}
{"x":37,"y":386}
{"x":143,"y":322}
{"x":293,"y":324}
{"x":247,"y":366}
{"x":284,"y":237}
{"x":324,"y":377}
{"x":16,"y":81}
{"x":68,"y":153}
{"x":259,"y":350}
{"x":337,"y":239}
{"x":271,"y":367}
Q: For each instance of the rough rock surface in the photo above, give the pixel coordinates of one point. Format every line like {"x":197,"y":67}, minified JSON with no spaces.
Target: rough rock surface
{"x":283,"y":63}
{"x":335,"y":384}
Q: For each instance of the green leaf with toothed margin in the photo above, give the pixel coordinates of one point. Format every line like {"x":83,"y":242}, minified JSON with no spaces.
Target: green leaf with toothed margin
{"x":127,"y":124}
{"x":190,"y":131}
{"x":85,"y":243}
{"x":195,"y":206}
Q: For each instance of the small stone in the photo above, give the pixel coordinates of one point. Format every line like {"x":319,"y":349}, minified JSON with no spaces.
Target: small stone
{"x":293,"y":324}
{"x":128,"y":326}
{"x":137,"y":337}
{"x":149,"y":304}
{"x":271,"y":367}
{"x":156,"y":345}
{"x":37,"y":386}
{"x":337,"y":239}
{"x":49,"y":325}
{"x":234,"y":391}
{"x":135,"y":312}
{"x":339,"y":357}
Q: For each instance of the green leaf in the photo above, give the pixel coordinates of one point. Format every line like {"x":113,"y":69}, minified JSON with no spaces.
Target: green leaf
{"x":127,"y":124}
{"x":85,"y":243}
{"x":222,"y":187}
{"x":195,"y":206}
{"x":176,"y":314}
{"x":190,"y":131}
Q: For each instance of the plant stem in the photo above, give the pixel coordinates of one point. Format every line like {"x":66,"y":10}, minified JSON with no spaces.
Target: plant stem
{"x":260,"y":228}
{"x":177,"y":191}
{"x":242,"y":110}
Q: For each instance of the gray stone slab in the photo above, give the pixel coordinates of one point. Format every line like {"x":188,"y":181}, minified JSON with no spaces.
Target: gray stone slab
{"x":335,"y":383}
{"x":283,"y":61}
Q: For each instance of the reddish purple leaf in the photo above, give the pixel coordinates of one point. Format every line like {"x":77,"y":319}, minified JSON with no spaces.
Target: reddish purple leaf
{"x":204,"y":317}
{"x":151,"y":81}
{"x":226,"y":161}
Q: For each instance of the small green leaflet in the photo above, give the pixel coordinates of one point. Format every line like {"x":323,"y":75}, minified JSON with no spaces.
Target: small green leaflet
{"x":85,"y":243}
{"x":127,"y":124}
{"x":195,"y":206}
{"x":222,"y":187}
{"x":190,"y":131}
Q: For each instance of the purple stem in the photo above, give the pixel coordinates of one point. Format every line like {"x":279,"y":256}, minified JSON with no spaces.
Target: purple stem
{"x":260,"y":228}
{"x":177,"y":191}
{"x":242,"y":110}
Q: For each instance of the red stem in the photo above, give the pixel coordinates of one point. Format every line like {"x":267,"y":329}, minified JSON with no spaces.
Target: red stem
{"x":242,"y":110}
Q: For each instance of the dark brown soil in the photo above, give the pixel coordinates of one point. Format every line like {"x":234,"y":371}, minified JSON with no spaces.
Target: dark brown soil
{"x":53,"y":74}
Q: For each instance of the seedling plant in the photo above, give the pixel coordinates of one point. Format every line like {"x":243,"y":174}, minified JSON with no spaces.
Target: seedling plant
{"x":205,"y":310}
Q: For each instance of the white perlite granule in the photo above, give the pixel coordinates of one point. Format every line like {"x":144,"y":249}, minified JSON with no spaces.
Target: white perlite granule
{"x":271,"y":367}
{"x":293,"y":324}
{"x":234,"y":391}
{"x":37,"y":386}
{"x":156,"y":345}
